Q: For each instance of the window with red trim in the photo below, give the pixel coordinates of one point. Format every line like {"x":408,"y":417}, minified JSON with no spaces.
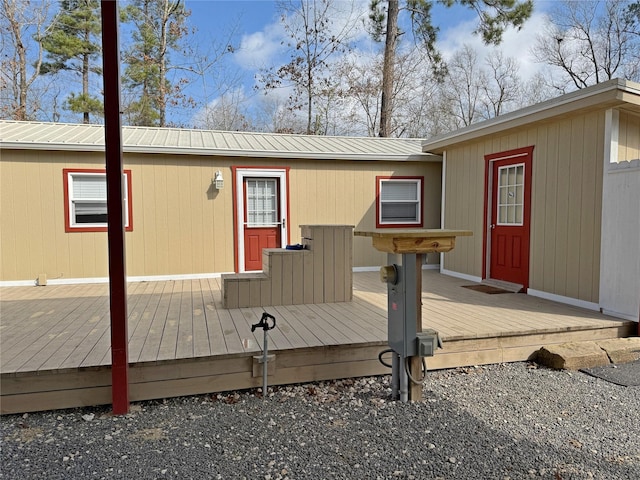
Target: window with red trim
{"x":399,"y":202}
{"x":85,"y":200}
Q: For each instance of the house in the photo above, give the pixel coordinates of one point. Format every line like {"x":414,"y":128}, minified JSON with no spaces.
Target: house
{"x":552,"y":194}
{"x":198,"y":203}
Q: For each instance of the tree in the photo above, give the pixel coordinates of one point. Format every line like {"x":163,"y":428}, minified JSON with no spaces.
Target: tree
{"x":317,"y":32}
{"x":21,"y":21}
{"x":494,"y":15}
{"x":590,"y":42}
{"x":464,"y":86}
{"x":502,"y":89}
{"x":225,"y":113}
{"x":159,"y":25}
{"x":73,"y":44}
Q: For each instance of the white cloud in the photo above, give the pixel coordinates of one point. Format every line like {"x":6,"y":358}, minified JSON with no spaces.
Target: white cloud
{"x":260,"y":49}
{"x":268,"y":47}
{"x":515,"y":43}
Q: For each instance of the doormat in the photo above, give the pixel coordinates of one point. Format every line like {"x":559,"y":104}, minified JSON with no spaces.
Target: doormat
{"x":625,"y":374}
{"x":486,"y":289}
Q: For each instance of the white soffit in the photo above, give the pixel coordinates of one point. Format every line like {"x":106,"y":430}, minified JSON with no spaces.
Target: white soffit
{"x":81,"y":137}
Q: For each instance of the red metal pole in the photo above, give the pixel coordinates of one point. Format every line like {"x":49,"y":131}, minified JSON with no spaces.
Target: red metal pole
{"x":115,"y":197}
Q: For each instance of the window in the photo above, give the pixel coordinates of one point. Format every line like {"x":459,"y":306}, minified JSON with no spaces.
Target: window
{"x":262,"y":201}
{"x":510,"y":194}
{"x":85,"y":205}
{"x":399,"y":202}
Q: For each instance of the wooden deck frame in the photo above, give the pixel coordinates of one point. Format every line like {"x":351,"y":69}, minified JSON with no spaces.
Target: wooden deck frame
{"x":55,"y":353}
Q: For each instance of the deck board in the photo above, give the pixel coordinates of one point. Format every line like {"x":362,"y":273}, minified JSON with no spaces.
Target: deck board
{"x":182,"y":341}
{"x":214,"y":328}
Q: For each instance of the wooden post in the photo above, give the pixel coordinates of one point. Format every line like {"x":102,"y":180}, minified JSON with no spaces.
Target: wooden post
{"x":415,"y":363}
{"x":115,"y":221}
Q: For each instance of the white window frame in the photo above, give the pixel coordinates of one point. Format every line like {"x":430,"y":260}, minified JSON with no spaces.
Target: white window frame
{"x":99,"y":226}
{"x":418,"y":181}
{"x":515,"y":204}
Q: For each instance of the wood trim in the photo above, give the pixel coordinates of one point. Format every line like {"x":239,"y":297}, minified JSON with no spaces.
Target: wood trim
{"x":236,"y":226}
{"x":524,"y":154}
{"x":68,"y":228}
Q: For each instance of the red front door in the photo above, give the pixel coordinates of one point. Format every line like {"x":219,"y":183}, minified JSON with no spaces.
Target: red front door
{"x":261,"y":219}
{"x":510,"y":217}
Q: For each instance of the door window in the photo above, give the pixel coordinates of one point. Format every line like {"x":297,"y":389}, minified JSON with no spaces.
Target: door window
{"x":510,"y":194}
{"x":262,"y":202}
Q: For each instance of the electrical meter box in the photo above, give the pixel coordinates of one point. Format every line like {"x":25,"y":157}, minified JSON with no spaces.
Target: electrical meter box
{"x":403,"y":302}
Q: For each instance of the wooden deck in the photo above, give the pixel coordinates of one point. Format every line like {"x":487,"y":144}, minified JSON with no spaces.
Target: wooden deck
{"x":55,"y":353}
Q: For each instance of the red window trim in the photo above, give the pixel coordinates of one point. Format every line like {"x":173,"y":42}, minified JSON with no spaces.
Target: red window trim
{"x":420,"y":224}
{"x":67,"y":220}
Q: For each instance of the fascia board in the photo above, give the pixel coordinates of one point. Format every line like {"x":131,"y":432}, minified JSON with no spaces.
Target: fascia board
{"x":606,"y":95}
{"x":335,"y":156}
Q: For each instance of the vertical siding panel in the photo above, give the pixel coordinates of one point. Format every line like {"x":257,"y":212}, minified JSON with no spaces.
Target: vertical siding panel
{"x":575,"y":174}
{"x":48,"y":204}
{"x":342,"y":206}
{"x":9,"y":253}
{"x":135,"y":240}
{"x":174,"y":226}
{"x":470,"y":212}
{"x":629,"y":141}
{"x":222,"y":241}
{"x":29,"y":183}
{"x":164,"y":218}
{"x":551,"y":162}
{"x":588,"y":209}
{"x":539,"y":139}
{"x":186,"y":216}
{"x":60,"y":241}
{"x":363,"y":211}
{"x":597,"y":214}
{"x":199,"y":184}
{"x":208,"y":201}
{"x":144,"y":234}
{"x":456,"y":197}
{"x":562,"y":206}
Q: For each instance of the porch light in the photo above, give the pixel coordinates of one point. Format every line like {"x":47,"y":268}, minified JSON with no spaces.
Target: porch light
{"x":218,"y":181}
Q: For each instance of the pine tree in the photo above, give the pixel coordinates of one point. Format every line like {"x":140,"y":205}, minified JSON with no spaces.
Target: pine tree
{"x":73,"y":44}
{"x":158,"y":27}
{"x":494,"y":16}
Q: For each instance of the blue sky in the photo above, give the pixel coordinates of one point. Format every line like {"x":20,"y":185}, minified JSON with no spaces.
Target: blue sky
{"x":258,"y":34}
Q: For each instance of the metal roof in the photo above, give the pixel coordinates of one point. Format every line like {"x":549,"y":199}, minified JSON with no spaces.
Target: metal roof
{"x":81,"y":137}
{"x":616,"y":93}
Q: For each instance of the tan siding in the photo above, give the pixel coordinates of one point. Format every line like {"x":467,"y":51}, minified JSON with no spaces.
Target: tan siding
{"x":181,"y":225}
{"x":8,"y":210}
{"x":566,"y":203}
{"x":629,"y":137}
{"x":540,"y":138}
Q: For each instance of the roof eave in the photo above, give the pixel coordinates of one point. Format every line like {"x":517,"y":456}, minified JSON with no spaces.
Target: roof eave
{"x":336,"y":156}
{"x":605,"y":95}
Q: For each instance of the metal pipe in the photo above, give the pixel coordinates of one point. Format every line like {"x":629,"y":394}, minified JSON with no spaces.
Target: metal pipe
{"x":265,"y":359}
{"x":395,"y":378}
{"x":404,"y":383}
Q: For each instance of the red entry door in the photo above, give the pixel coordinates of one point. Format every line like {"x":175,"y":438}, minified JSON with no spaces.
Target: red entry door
{"x":510,"y":222}
{"x":261,"y":219}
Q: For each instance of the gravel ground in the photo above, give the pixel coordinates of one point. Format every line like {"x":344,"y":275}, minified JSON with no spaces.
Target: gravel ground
{"x":507,"y":421}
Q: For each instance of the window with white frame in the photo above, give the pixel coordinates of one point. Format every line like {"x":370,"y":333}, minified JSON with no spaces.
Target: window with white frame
{"x":510,"y":194}
{"x":399,"y":202}
{"x":86,"y":200}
